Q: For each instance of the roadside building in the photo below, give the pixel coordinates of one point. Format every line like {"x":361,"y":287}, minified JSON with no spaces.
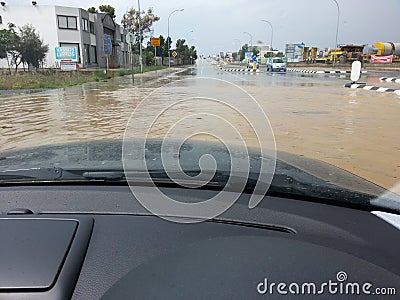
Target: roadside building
{"x":60,"y":26}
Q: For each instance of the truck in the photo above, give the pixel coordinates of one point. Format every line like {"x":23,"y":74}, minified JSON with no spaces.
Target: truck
{"x":344,"y":53}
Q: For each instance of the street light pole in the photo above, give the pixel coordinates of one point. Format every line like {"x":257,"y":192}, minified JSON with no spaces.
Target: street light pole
{"x":187,"y":35}
{"x":272,"y":31}
{"x":140,"y":41}
{"x":169,"y":52}
{"x":251,"y":39}
{"x":337,"y":31}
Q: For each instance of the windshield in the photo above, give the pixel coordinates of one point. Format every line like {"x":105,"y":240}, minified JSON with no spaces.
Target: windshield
{"x":87,"y":88}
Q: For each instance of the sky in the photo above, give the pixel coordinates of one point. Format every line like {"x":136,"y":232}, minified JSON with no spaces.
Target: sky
{"x":214,"y":26}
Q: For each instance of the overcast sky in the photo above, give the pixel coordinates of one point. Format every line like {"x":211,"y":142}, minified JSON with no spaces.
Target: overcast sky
{"x":218,"y":24}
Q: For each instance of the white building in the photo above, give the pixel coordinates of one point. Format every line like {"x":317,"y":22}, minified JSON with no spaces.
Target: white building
{"x":71,"y":27}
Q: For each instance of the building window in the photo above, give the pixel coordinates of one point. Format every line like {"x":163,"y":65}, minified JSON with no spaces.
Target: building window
{"x":91,"y":25}
{"x":67,"y":22}
{"x":1,"y":20}
{"x":85,"y":25}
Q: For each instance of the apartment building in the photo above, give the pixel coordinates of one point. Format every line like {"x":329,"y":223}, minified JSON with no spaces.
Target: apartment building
{"x":61,"y":26}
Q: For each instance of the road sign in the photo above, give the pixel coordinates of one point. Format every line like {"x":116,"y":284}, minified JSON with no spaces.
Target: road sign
{"x":130,"y":38}
{"x":155,"y":42}
{"x":254,"y":57}
{"x":66,"y":53}
{"x":248,"y":54}
{"x":107,"y":45}
{"x":174,"y":54}
{"x":69,"y":66}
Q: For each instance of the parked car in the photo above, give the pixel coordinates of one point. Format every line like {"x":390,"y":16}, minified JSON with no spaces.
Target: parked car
{"x":276,"y":64}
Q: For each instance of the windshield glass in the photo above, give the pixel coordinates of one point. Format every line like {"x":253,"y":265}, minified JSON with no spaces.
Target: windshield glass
{"x":82,"y":86}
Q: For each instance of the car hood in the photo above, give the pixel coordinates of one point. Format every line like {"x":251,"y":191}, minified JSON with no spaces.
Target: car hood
{"x":293,"y":173}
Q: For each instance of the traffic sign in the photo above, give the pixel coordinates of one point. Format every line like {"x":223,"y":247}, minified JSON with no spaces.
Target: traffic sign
{"x":254,"y":57}
{"x":69,"y":66}
{"x":174,"y":54}
{"x":107,"y":45}
{"x":130,"y":38}
{"x":155,"y":42}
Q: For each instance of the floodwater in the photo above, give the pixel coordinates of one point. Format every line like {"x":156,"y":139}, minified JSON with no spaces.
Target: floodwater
{"x":310,"y":115}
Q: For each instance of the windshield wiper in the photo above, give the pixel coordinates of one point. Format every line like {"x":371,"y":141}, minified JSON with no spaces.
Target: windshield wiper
{"x":57,"y":174}
{"x":31,"y":174}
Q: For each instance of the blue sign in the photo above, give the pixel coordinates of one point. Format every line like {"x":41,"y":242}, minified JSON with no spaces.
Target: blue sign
{"x":248,"y":54}
{"x":107,"y":45}
{"x":66,"y":53}
{"x":254,"y":57}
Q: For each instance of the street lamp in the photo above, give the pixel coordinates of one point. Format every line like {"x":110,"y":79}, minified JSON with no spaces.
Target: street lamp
{"x":251,"y":39}
{"x":169,"y":52}
{"x":337,"y":31}
{"x":272,"y":31}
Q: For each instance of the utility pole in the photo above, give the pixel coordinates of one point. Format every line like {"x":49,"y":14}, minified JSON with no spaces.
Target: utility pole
{"x":140,"y":41}
{"x":337,"y":31}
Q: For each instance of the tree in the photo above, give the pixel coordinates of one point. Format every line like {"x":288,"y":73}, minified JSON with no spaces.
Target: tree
{"x":242,"y":51}
{"x":31,"y":47}
{"x":148,"y":58}
{"x":182,"y":49}
{"x":193,"y":52}
{"x":9,"y":40}
{"x":108,"y":9}
{"x":255,"y":50}
{"x":92,"y":10}
{"x":130,"y":21}
{"x":164,"y":48}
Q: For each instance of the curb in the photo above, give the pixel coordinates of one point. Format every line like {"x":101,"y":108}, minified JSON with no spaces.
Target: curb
{"x":371,"y":88}
{"x":321,"y":72}
{"x":390,"y":79}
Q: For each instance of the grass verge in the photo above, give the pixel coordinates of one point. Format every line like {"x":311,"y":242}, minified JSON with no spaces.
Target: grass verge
{"x":53,"y":79}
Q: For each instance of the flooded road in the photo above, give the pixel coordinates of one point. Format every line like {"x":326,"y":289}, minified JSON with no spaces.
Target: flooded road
{"x":310,"y":115}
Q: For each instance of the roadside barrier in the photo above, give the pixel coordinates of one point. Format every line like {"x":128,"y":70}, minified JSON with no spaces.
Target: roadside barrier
{"x":390,"y":79}
{"x":242,"y":70}
{"x":371,"y":88}
{"x":321,"y":72}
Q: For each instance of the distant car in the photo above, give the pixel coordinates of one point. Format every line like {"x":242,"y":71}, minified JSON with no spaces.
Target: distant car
{"x":250,"y":64}
{"x":276,"y":64}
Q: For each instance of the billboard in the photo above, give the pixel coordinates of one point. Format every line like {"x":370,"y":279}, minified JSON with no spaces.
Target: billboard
{"x":66,"y":53}
{"x":381,"y":59}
